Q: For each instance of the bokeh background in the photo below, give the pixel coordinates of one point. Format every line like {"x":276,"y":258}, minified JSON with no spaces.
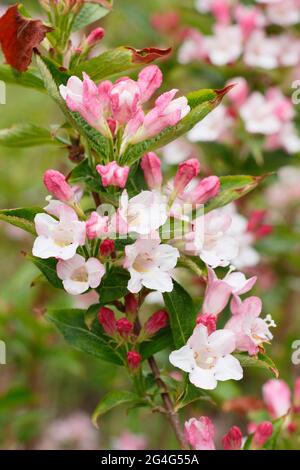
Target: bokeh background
{"x":47,"y":390}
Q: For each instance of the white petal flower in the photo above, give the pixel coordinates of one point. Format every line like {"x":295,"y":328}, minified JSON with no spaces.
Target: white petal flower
{"x":58,"y":238}
{"x":79,"y":275}
{"x":150,"y":264}
{"x":207,"y":358}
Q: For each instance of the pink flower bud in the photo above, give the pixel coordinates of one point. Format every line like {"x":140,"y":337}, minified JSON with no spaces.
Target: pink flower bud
{"x":96,"y":226}
{"x":57,"y":185}
{"x":263,"y":433}
{"x":95,"y":36}
{"x":107,"y":247}
{"x":106,"y":318}
{"x":113,"y":175}
{"x":133,"y":360}
{"x":185,"y":173}
{"x":124,"y":327}
{"x":208,"y":320}
{"x":131,"y":304}
{"x":200,"y":433}
{"x":151,"y":166}
{"x":125,"y":95}
{"x":221,"y":11}
{"x":233,"y":439}
{"x":207,"y":188}
{"x":156,"y":322}
{"x":256,"y":224}
{"x":277,"y":397}
{"x":150,"y":78}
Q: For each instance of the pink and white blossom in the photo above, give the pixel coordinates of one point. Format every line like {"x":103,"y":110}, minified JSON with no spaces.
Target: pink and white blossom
{"x":58,"y":238}
{"x":207,"y":358}
{"x":150,"y":264}
{"x":225,"y":46}
{"x":78,"y":275}
{"x":249,"y":329}
{"x":96,"y":226}
{"x":213,"y":127}
{"x":259,"y":115}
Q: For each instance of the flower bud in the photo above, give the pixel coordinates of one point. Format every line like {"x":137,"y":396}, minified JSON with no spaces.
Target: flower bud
{"x":206,"y":189}
{"x":185,"y":173}
{"x":208,"y":320}
{"x":151,"y":166}
{"x":233,"y":439}
{"x":131,"y":304}
{"x":113,"y":175}
{"x":156,"y":322}
{"x":95,"y":36}
{"x":124,"y":327}
{"x":200,"y":433}
{"x":297,"y":394}
{"x":57,"y":185}
{"x":96,"y":226}
{"x":263,"y":433}
{"x":107,"y":247}
{"x":133,"y":360}
{"x":106,"y":318}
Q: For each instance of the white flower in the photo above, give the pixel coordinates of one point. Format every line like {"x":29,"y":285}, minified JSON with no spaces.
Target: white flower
{"x":58,"y":238}
{"x":258,"y":115}
{"x":207,"y":358}
{"x":78,"y":275}
{"x":143,"y":213}
{"x":211,"y":239}
{"x":212,"y":127}
{"x":150,"y":264}
{"x":225,"y":46}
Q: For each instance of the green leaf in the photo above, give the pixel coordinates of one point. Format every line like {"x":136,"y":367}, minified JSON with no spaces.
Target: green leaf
{"x":182,"y":314}
{"x":21,"y":217}
{"x":261,"y":360}
{"x":111,"y":400}
{"x":162,"y":340}
{"x":201,"y":102}
{"x":89,"y":13}
{"x":111,"y":63}
{"x":48,"y":268}
{"x":27,"y":79}
{"x":26,"y":135}
{"x":190,"y":395}
{"x":232,"y":188}
{"x":114,"y":285}
{"x":70,"y":322}
{"x":14,"y":398}
{"x":83,"y":173}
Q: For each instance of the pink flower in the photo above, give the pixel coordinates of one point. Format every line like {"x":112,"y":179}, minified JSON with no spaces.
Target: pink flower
{"x":124,"y":327}
{"x":277,"y":397}
{"x":185,"y":173}
{"x":125,"y":95}
{"x":130,"y":441}
{"x":249,"y":19}
{"x":106,"y":318}
{"x":95,"y":36}
{"x":57,"y":185}
{"x":96,"y":226}
{"x":85,"y":98}
{"x":282,"y":106}
{"x":206,"y":189}
{"x":263,"y":432}
{"x":134,"y":360}
{"x":113,"y":175}
{"x":151,"y":166}
{"x":225,"y":46}
{"x":259,"y":116}
{"x":250,"y":330}
{"x":297,"y":394}
{"x":107,"y":247}
{"x":156,"y":322}
{"x":149,"y":80}
{"x":200,"y":433}
{"x":78,"y":275}
{"x":221,"y":11}
{"x":233,"y":439}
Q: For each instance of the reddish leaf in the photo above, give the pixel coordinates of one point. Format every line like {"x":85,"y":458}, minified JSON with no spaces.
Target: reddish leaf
{"x":243,"y":405}
{"x":144,"y":56}
{"x":19,"y":36}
